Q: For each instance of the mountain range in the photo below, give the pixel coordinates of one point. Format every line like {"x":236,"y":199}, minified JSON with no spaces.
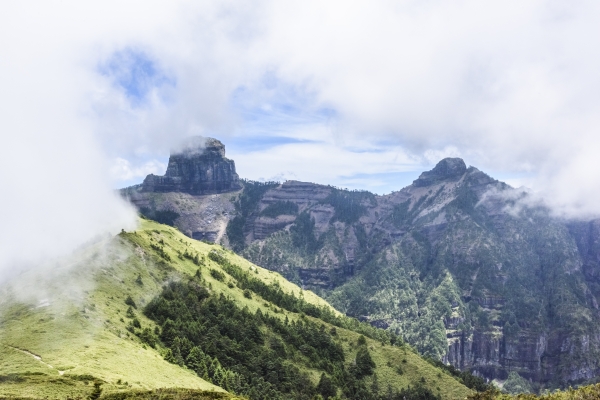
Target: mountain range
{"x":464,"y":268}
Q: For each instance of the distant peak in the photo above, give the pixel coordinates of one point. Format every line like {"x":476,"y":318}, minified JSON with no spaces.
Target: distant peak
{"x":446,"y":169}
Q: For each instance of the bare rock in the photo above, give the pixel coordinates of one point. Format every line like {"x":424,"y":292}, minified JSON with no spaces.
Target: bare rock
{"x":198,"y":167}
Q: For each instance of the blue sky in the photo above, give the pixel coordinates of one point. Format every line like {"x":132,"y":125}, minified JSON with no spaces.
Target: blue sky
{"x":270,"y":115}
{"x":135,"y":74}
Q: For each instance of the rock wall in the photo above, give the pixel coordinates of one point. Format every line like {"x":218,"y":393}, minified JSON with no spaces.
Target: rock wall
{"x":301,"y":193}
{"x":200,"y":167}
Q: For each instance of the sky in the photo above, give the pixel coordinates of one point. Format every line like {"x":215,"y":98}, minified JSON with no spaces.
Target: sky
{"x":360,"y":95}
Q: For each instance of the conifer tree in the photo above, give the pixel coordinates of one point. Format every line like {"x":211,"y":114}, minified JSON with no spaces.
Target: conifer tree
{"x":364,"y":363}
{"x":326,"y":387}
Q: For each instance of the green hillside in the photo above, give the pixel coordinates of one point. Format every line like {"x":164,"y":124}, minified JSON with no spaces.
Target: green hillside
{"x":56,"y":343}
{"x":588,"y":392}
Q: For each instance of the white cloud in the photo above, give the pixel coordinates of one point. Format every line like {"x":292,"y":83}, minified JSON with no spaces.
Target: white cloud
{"x":123,"y":170}
{"x":322,"y":162}
{"x":510,"y":86}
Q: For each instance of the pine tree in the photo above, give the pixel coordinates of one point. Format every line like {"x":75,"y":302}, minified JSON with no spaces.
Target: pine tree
{"x":326,"y":387}
{"x":196,"y":360}
{"x":213,"y":366}
{"x":364,"y":363}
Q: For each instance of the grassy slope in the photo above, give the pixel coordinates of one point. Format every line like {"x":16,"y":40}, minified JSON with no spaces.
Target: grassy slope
{"x":87,"y":336}
{"x":90,"y":336}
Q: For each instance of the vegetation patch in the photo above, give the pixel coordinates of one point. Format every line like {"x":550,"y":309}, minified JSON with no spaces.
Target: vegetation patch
{"x":590,"y":392}
{"x":468,"y":379}
{"x":274,"y":294}
{"x":83,"y":378}
{"x":170,"y":394}
{"x":303,"y":234}
{"x":348,"y":204}
{"x":280,"y":208}
{"x":9,"y":378}
{"x":259,"y":355}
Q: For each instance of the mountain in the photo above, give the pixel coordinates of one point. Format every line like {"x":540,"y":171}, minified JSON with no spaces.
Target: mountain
{"x":153,"y":309}
{"x":465,"y":268}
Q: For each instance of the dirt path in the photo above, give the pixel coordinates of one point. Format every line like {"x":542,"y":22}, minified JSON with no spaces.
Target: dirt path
{"x":39,"y":358}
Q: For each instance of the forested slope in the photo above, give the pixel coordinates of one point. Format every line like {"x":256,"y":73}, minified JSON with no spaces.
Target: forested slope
{"x":155,"y":309}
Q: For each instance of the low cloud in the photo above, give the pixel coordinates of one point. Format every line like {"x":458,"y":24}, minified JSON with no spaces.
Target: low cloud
{"x":123,"y":170}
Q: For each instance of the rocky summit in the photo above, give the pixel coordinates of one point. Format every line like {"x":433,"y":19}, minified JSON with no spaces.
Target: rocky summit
{"x":447,"y":169}
{"x":198,"y":167}
{"x":458,"y":263}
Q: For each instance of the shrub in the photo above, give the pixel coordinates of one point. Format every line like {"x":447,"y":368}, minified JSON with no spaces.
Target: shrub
{"x":516,"y":384}
{"x":148,"y":337}
{"x":218,"y":275}
{"x":129,"y":301}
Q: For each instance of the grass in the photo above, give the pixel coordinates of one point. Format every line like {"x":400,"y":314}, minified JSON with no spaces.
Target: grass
{"x":80,"y":333}
{"x":413,"y":369}
{"x":88,"y":335}
{"x":171,"y":394}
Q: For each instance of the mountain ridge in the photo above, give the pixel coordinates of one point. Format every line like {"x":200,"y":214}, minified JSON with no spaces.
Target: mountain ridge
{"x":453,"y":263}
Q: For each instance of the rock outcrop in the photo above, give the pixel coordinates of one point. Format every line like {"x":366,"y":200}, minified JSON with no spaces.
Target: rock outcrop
{"x":198,"y":167}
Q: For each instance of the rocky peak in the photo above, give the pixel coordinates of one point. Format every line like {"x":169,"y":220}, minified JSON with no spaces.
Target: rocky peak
{"x":198,"y":166}
{"x":447,"y":169}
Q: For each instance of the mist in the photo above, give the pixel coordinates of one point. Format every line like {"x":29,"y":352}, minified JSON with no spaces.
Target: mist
{"x":95,"y":96}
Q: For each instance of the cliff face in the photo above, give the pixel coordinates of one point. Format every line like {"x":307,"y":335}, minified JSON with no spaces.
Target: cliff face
{"x":456,"y":262}
{"x":199,"y":167}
